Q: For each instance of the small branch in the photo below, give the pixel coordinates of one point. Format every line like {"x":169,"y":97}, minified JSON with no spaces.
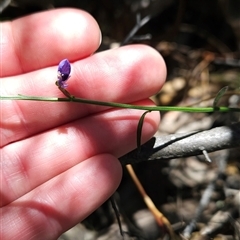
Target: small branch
{"x":206,"y":197}
{"x":161,"y":220}
{"x":185,"y":145}
{"x":203,"y":203}
{"x":4,"y":4}
{"x":138,"y":25}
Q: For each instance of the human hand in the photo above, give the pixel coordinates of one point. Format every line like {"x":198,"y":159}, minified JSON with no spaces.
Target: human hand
{"x":59,"y":160}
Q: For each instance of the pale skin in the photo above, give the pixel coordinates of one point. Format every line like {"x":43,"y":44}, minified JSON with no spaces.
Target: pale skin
{"x":59,"y":161}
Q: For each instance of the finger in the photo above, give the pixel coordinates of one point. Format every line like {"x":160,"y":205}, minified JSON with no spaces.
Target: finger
{"x":49,"y":154}
{"x":64,"y":201}
{"x":42,"y":39}
{"x":126,"y":74}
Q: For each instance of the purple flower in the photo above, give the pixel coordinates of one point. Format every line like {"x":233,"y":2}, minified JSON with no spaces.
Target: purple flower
{"x":63,"y":74}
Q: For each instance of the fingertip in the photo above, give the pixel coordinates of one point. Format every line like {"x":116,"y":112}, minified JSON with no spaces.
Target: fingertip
{"x":151,"y":66}
{"x":135,"y":72}
{"x":110,"y":170}
{"x":99,"y":176}
{"x":43,"y":39}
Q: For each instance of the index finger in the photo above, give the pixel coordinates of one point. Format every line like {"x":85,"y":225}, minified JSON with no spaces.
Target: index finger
{"x":27,"y":44}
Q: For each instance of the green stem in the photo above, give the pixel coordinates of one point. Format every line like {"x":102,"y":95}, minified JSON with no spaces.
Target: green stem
{"x":122,"y":105}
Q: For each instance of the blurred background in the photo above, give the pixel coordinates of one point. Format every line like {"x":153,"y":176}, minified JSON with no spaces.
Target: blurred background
{"x":200,"y":42}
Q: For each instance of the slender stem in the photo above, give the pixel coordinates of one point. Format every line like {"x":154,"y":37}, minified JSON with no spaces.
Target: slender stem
{"x":121,"y":105}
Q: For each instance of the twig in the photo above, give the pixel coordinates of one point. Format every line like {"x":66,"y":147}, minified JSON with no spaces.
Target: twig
{"x":4,"y":4}
{"x":159,"y":217}
{"x":205,"y":199}
{"x":117,"y":214}
{"x":138,"y":25}
{"x":185,"y":145}
{"x":202,"y":205}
